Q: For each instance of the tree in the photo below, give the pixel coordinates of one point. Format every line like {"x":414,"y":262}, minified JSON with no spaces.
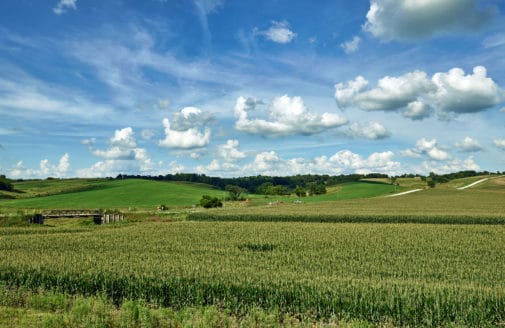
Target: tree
{"x":265,"y":188}
{"x":235,"y":191}
{"x":300,"y":191}
{"x":432,"y":180}
{"x":316,"y":188}
{"x":5,"y":184}
{"x":208,"y":201}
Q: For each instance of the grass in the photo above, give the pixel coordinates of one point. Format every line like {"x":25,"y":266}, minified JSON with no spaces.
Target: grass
{"x":350,"y":190}
{"x":129,"y":193}
{"x":145,"y":194}
{"x":24,"y":308}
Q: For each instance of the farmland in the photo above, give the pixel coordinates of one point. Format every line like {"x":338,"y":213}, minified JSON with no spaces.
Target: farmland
{"x":324,"y":262}
{"x":82,"y":193}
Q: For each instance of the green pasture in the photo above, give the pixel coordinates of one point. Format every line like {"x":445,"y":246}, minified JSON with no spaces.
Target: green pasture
{"x":131,"y":193}
{"x":146,"y":194}
{"x":349,"y":190}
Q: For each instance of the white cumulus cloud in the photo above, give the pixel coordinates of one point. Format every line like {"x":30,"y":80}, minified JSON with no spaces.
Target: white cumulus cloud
{"x":428,"y":148}
{"x":187,"y":130}
{"x":230,"y":152}
{"x":460,"y":93}
{"x":122,"y":156}
{"x":416,"y":96}
{"x":287,"y":116}
{"x":45,"y":169}
{"x":468,"y":145}
{"x":451,"y":166}
{"x":371,"y":130}
{"x":270,"y":163}
{"x":410,"y":19}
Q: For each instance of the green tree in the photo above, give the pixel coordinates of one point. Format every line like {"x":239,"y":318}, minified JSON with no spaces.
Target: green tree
{"x":431,"y":180}
{"x":316,"y":188}
{"x":300,"y":191}
{"x":235,"y":191}
{"x":5,"y":184}
{"x":264,"y":188}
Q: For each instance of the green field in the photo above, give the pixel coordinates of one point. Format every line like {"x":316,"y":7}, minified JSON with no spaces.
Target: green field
{"x":145,"y":194}
{"x":350,"y":190}
{"x":123,"y":194}
{"x":431,"y":258}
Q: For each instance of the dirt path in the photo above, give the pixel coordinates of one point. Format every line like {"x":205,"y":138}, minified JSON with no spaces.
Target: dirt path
{"x":404,"y":193}
{"x":473,"y":184}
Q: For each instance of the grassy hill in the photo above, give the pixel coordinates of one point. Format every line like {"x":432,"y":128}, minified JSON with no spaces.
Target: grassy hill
{"x":83,"y":193}
{"x":350,"y":190}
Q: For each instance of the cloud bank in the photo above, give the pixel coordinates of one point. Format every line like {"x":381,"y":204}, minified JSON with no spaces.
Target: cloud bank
{"x":287,"y":116}
{"x":416,"y":96}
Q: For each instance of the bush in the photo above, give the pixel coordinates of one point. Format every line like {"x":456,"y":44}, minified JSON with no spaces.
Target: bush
{"x":209,"y":202}
{"x":5,"y":184}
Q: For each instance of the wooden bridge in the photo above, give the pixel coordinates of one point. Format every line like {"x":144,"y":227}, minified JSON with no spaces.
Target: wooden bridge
{"x":98,"y":216}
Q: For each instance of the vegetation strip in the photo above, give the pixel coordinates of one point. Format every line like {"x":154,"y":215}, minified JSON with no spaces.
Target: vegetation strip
{"x":209,"y":216}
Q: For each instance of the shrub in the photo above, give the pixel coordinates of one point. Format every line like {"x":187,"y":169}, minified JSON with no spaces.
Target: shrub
{"x":5,"y":184}
{"x":209,"y":202}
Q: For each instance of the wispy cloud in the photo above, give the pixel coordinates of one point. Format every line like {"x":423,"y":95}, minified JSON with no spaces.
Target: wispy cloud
{"x":351,"y":45}
{"x":64,"y":5}
{"x":279,"y":32}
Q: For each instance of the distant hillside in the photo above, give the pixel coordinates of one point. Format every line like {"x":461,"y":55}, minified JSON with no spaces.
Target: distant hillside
{"x":97,"y":193}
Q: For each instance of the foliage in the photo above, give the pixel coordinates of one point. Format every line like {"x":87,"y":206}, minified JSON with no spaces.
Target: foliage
{"x":5,"y":184}
{"x":258,"y":183}
{"x":209,"y":202}
{"x":316,"y":188}
{"x":23,"y":308}
{"x":300,"y":191}
{"x":235,"y":191}
{"x":269,"y":188}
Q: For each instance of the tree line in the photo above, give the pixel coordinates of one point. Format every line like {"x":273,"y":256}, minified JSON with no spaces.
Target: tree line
{"x":262,"y":184}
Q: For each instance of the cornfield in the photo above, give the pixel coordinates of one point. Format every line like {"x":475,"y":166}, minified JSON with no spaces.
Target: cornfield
{"x":408,"y":274}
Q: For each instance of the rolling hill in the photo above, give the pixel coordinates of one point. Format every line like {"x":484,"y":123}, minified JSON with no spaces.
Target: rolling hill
{"x":83,"y":194}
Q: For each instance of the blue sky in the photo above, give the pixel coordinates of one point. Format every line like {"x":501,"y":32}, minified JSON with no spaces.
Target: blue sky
{"x":236,"y":88}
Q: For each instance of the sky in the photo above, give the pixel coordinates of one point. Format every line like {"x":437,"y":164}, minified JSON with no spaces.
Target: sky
{"x":232,"y":88}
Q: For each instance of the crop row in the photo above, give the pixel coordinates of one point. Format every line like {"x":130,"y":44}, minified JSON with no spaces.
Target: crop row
{"x":345,"y":218}
{"x":405,"y":273}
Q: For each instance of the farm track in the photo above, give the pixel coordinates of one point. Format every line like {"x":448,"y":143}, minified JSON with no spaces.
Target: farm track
{"x":473,"y":184}
{"x":404,"y":193}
